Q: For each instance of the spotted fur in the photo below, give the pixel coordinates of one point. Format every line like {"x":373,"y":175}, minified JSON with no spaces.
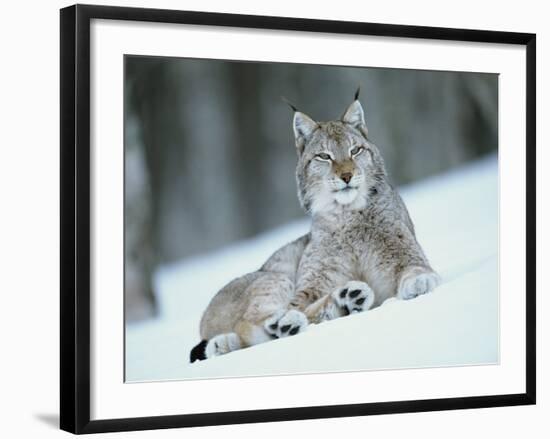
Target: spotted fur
{"x":361,"y":249}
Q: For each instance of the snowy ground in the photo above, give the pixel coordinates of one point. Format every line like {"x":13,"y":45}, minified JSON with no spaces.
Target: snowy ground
{"x":456,"y":219}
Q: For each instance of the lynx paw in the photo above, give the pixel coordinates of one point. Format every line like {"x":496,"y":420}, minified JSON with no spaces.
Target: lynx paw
{"x":222,"y":344}
{"x":417,"y":281}
{"x":286,"y":323}
{"x":355,"y":297}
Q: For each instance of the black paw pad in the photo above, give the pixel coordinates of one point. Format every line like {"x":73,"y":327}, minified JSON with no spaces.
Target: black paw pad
{"x":343,"y":293}
{"x":294,"y":330}
{"x":285,"y":328}
{"x":354,"y":293}
{"x":360,"y":301}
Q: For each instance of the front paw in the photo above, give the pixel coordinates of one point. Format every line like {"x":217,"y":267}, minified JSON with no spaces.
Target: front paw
{"x":286,"y":323}
{"x":356,"y":296}
{"x":417,"y":281}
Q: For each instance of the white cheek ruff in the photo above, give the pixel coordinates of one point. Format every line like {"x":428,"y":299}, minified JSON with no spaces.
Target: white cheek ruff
{"x":321,"y":201}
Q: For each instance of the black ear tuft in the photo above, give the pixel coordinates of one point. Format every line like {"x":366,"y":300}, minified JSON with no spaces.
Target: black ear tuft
{"x":286,"y":101}
{"x":357,"y":93}
{"x":197,"y":353}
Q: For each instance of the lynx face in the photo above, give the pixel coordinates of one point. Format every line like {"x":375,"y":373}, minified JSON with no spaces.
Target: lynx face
{"x":337,"y":166}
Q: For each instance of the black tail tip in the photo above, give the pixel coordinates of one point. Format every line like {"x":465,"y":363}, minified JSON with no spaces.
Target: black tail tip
{"x":198,"y":352}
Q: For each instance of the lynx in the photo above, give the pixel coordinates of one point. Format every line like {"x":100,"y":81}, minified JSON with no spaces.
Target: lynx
{"x":361,"y":249}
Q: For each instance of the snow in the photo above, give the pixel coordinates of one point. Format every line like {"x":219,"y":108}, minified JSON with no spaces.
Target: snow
{"x":456,"y":220}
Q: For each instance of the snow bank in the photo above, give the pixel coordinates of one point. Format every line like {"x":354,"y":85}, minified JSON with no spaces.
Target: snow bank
{"x":456,"y":219}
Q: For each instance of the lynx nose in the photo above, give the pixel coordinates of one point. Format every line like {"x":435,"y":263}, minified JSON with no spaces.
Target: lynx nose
{"x":346,"y":176}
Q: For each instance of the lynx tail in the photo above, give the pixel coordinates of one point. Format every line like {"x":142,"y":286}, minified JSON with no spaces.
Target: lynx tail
{"x":197,"y":353}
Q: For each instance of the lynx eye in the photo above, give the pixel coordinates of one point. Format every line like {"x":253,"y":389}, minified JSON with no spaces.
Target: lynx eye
{"x":323,"y":156}
{"x":357,"y":150}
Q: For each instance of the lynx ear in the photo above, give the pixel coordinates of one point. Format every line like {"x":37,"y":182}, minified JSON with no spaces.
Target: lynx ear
{"x":304,"y":126}
{"x":355,"y":117}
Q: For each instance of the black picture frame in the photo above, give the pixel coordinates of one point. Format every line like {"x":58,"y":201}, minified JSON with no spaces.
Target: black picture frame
{"x":75,"y":218}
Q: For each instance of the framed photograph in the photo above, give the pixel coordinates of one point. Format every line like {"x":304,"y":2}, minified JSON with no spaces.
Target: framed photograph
{"x":268,"y":218}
